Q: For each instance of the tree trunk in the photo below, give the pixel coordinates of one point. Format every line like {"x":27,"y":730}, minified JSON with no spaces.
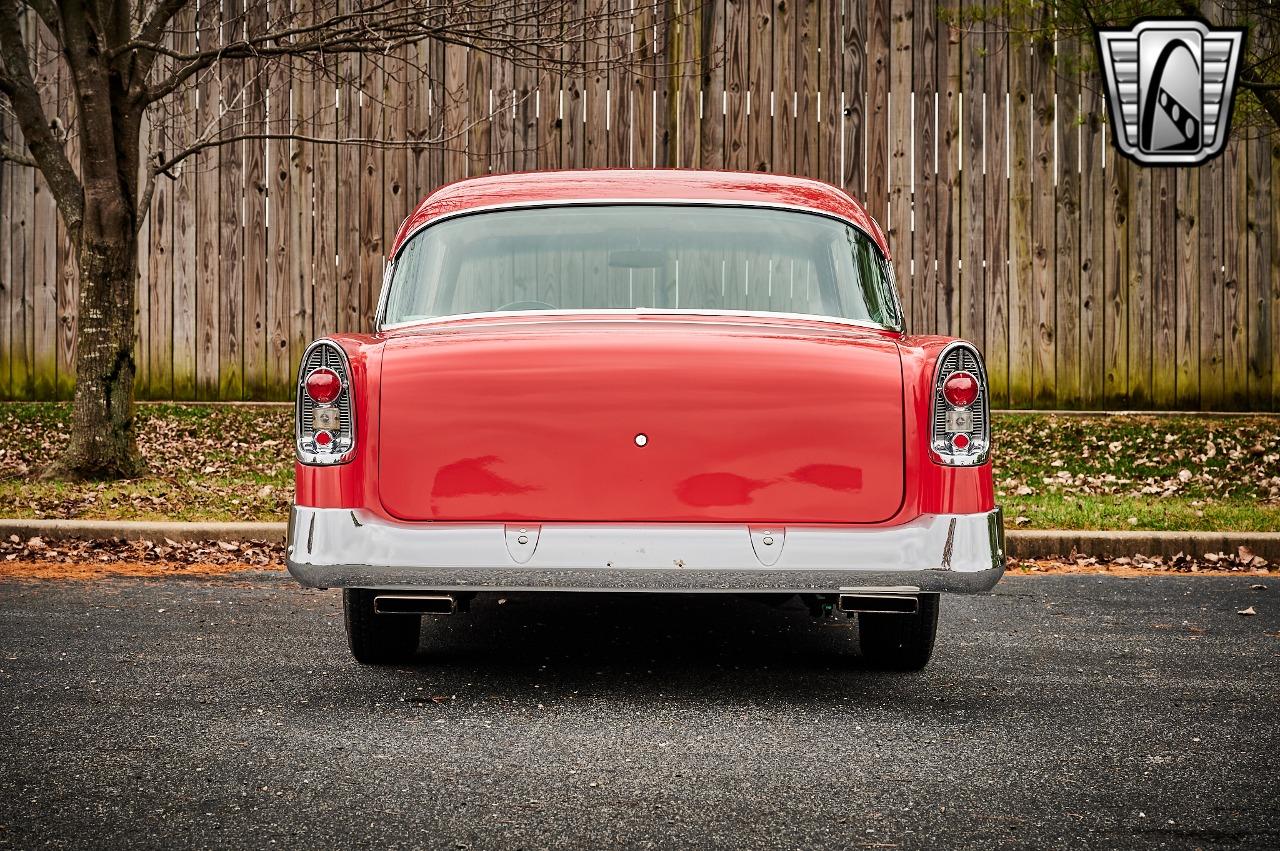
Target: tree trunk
{"x":103,"y":443}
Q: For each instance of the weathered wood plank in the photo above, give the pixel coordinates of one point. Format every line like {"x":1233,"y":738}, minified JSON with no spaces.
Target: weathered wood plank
{"x":159,"y":260}
{"x":1259,"y":192}
{"x":807,"y":86}
{"x":185,"y":202}
{"x":685,"y":113}
{"x":1139,"y":284}
{"x":1235,"y":284}
{"x":898,"y":221}
{"x":1067,"y":268}
{"x":1043,"y":228}
{"x":760,"y":85}
{"x":924,"y":200}
{"x":1164,"y":271}
{"x":996,"y":192}
{"x":737,"y":29}
{"x":44,"y":233}
{"x":595,"y":88}
{"x":1021,"y":284}
{"x":844,"y":101}
{"x":972,"y":213}
{"x":1187,"y":289}
{"x":280,"y":217}
{"x":711,"y":55}
{"x":1115,"y":281}
{"x":347,"y":213}
{"x":880,"y":55}
{"x":373,"y":187}
{"x":231,"y":257}
{"x":257,"y":252}
{"x":947,"y":225}
{"x":1274,"y":273}
{"x":1093,"y":222}
{"x":1210,"y":284}
{"x":622,"y":43}
{"x":209,"y":203}
{"x":783,"y":100}
{"x":572,"y":109}
{"x":643,"y":100}
{"x":328,"y":192}
{"x":8,"y":196}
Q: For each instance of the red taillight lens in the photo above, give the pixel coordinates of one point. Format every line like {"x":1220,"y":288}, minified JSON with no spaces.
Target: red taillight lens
{"x":323,"y":386}
{"x":960,"y":389}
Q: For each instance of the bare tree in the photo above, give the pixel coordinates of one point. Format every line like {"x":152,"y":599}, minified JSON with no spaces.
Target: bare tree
{"x":112,"y":50}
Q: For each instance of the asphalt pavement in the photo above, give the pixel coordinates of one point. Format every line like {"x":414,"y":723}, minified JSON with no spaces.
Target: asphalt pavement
{"x":1059,"y":712}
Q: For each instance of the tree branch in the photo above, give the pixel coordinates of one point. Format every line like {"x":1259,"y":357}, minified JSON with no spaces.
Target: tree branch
{"x":13,"y":155}
{"x":46,"y":151}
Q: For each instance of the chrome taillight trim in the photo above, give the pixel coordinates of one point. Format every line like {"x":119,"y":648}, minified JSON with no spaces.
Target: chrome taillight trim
{"x":960,"y":356}
{"x":324,"y":354}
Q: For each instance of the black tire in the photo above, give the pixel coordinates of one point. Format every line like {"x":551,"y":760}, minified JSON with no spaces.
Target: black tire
{"x":894,"y":642}
{"x":378,"y":639}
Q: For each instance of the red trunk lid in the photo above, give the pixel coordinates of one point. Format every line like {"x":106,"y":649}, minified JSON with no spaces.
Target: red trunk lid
{"x":537,"y":420}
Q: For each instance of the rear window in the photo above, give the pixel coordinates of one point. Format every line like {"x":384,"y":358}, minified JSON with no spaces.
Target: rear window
{"x":657,"y":257}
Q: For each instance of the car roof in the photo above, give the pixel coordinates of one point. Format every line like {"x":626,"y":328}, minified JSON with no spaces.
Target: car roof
{"x":638,"y":185}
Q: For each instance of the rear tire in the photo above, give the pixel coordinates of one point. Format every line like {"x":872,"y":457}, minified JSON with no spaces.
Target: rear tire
{"x":378,"y":639}
{"x":894,"y":642}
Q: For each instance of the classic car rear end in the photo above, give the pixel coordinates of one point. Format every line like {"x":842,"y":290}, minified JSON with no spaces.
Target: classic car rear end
{"x":643,"y":381}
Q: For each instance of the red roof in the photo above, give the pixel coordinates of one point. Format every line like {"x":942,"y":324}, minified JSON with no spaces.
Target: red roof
{"x":640,"y":185}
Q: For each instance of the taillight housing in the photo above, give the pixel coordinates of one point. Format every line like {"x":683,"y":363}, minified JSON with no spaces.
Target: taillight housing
{"x":960,"y":417}
{"x":324,"y":413}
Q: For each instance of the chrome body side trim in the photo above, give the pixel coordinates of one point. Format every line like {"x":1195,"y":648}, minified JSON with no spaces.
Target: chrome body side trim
{"x":385,"y":292}
{"x":344,"y":547}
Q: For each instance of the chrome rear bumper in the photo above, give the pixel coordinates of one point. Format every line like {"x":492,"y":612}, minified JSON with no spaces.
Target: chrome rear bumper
{"x":351,"y":548}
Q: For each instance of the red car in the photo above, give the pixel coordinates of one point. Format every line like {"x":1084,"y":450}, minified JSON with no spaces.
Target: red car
{"x":660,"y":381}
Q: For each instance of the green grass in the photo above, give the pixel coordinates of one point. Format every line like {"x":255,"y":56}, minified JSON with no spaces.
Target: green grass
{"x":218,"y":462}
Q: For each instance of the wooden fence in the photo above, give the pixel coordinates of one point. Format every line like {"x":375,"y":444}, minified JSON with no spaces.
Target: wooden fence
{"x":1086,"y":280}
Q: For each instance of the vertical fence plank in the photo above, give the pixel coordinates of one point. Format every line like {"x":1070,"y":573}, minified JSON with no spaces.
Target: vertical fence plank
{"x":996,"y":188}
{"x":1021,"y":311}
{"x":21,"y":265}
{"x":807,"y":86}
{"x":1274,"y":273}
{"x":1235,"y":283}
{"x":186,"y":200}
{"x":846,"y":106}
{"x":1186,"y":288}
{"x":231,"y":225}
{"x":737,"y":28}
{"x":898,"y":223}
{"x":572,"y":110}
{"x":1043,"y":227}
{"x":1093,"y":222}
{"x":760,"y":85}
{"x":372,"y":179}
{"x":280,"y":216}
{"x":1139,"y":284}
{"x":159,"y":226}
{"x":1066,"y":283}
{"x":347,"y":214}
{"x":876,"y":108}
{"x":782,"y":102}
{"x":1210,"y":285}
{"x":328,"y":192}
{"x":208,"y":206}
{"x":974,"y":211}
{"x":711,"y":52}
{"x":1164,"y":271}
{"x":9,"y":135}
{"x":948,"y":304}
{"x":622,"y":43}
{"x":643,"y":102}
{"x":595,"y":142}
{"x":1115,"y":282}
{"x":257,"y":254}
{"x":924,"y":198}
{"x":44,"y":234}
{"x":1260,"y":192}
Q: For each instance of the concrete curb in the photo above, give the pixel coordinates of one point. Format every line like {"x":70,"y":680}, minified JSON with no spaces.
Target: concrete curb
{"x":1023,"y":543}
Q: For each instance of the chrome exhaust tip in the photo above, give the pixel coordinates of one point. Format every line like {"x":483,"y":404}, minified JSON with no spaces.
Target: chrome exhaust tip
{"x":889,"y":604}
{"x":415,"y":604}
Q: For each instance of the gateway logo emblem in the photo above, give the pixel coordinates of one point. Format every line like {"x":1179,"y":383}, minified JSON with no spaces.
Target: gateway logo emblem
{"x":1170,"y":85}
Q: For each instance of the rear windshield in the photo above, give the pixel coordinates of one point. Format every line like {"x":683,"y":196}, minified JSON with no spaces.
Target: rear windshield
{"x":618,"y":257}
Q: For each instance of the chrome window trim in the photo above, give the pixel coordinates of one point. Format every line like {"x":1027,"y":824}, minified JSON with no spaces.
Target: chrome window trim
{"x":621,"y":312}
{"x":980,"y":457}
{"x":384,"y":295}
{"x":324,"y":459}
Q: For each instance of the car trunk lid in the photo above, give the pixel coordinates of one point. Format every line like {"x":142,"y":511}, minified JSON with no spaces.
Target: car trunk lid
{"x":541,"y":420}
